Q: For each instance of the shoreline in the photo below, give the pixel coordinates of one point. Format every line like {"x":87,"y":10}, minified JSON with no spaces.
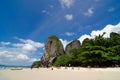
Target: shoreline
{"x":66,"y":68}
{"x":78,"y":73}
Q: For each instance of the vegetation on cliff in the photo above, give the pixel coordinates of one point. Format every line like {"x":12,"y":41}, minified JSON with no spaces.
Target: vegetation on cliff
{"x":97,"y":52}
{"x":36,"y":64}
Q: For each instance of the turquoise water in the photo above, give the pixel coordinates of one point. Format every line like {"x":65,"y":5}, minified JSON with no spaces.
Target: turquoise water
{"x":9,"y":66}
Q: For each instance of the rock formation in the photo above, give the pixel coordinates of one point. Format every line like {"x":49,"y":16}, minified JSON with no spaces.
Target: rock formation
{"x":75,"y":44}
{"x":53,"y":48}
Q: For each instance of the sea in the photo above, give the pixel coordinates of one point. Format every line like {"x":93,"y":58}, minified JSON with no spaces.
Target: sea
{"x":12,"y":66}
{"x":2,"y":67}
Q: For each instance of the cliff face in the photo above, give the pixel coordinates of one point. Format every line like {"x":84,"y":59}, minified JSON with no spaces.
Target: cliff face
{"x":53,"y":48}
{"x":75,"y":44}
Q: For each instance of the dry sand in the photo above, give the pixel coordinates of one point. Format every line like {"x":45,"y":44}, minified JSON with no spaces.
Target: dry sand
{"x":61,"y":74}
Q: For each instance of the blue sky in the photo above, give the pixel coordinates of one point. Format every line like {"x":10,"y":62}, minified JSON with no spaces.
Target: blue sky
{"x":26,"y":24}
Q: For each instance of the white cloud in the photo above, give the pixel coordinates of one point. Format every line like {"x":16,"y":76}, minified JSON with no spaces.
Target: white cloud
{"x":6,"y":54}
{"x":111,"y":9}
{"x":8,"y":57}
{"x":22,"y":57}
{"x":28,"y":45}
{"x":64,"y":42}
{"x":46,"y":12}
{"x":70,"y":33}
{"x":69,"y":16}
{"x":89,"y":12}
{"x":33,"y":43}
{"x":21,"y":53}
{"x":66,"y":3}
{"x":108,"y":29}
{"x":51,"y":6}
{"x":84,"y":37}
{"x":5,"y":43}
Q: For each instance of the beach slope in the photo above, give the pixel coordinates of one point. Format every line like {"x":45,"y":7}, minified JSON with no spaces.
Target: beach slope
{"x":61,"y":74}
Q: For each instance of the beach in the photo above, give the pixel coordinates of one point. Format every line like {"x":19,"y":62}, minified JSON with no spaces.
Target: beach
{"x":61,"y":74}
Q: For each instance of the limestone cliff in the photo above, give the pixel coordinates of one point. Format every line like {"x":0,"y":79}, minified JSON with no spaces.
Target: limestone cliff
{"x":53,"y":48}
{"x":75,"y":44}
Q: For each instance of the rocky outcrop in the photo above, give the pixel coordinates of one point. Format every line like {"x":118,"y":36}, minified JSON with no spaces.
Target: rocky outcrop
{"x":53,"y":48}
{"x":75,"y":44}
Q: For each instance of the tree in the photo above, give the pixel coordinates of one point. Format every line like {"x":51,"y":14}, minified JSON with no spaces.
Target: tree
{"x":100,"y":52}
{"x":63,"y":60}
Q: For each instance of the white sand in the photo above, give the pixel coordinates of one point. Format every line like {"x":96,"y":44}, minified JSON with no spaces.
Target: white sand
{"x":61,"y":74}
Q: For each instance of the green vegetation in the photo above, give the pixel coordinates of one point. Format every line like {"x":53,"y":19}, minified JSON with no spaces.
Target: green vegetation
{"x":62,"y":60}
{"x":36,"y":64}
{"x":53,"y":37}
{"x":97,"y":52}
